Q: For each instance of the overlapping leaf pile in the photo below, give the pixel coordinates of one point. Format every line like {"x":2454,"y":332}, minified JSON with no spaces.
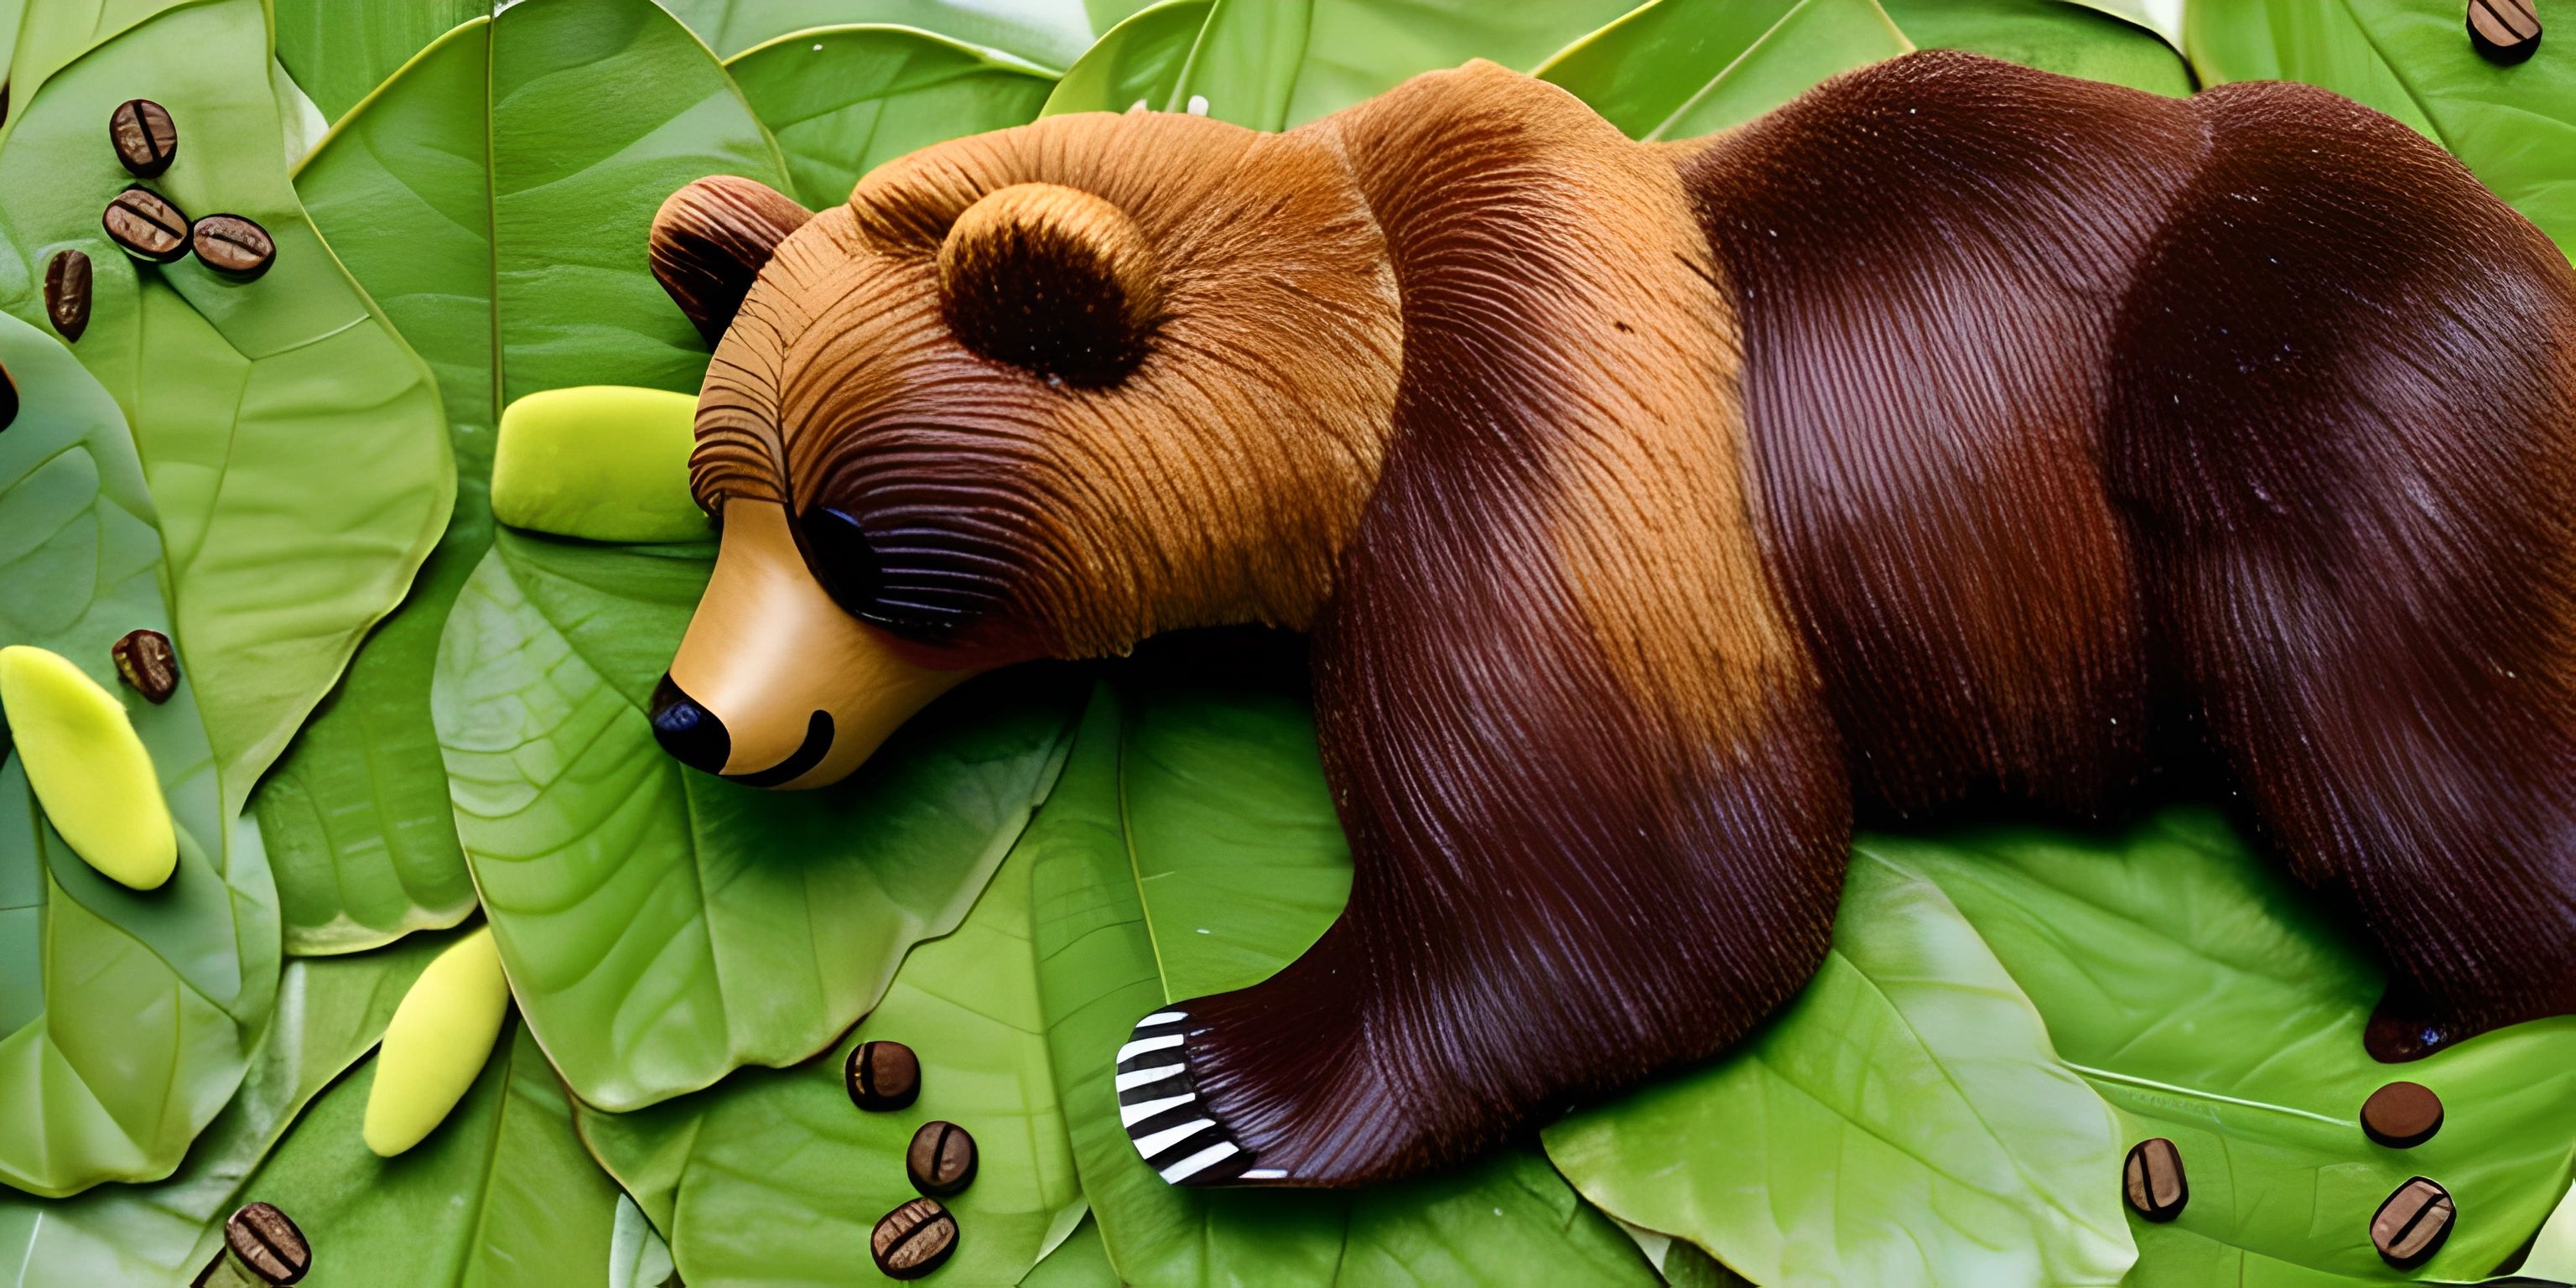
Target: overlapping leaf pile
{"x":394,"y":718}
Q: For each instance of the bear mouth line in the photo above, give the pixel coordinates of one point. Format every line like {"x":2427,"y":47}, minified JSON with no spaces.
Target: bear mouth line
{"x":817,"y":744}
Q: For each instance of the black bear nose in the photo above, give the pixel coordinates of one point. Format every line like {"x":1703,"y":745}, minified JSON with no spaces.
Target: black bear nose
{"x":690,"y":732}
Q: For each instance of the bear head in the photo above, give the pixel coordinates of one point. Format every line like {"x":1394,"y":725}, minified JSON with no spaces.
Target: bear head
{"x":1035,"y":393}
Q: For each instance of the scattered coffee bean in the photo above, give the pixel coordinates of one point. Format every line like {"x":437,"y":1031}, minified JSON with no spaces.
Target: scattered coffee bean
{"x":145,"y":137}
{"x":8,"y":398}
{"x":67,"y":290}
{"x":145,"y":660}
{"x":145,"y":225}
{"x":2411,"y":1225}
{"x":883,"y":1075}
{"x":267,"y":1245}
{"x":2505,"y":31}
{"x":2154,"y":1180}
{"x":914,"y":1239}
{"x":233,"y":246}
{"x":942,"y":1159}
{"x":2402,"y":1115}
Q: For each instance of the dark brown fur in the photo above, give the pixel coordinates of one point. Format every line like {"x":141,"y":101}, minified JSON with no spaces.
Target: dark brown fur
{"x":1956,"y":431}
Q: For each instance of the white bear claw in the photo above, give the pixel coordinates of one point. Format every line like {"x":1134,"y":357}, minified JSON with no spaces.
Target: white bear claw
{"x":1159,"y":1104}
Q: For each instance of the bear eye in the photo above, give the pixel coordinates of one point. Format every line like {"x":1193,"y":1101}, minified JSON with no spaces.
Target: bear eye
{"x":837,"y":551}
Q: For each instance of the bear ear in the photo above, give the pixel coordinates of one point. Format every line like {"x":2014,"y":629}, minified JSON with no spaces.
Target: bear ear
{"x":710,"y":240}
{"x":1051,"y":279}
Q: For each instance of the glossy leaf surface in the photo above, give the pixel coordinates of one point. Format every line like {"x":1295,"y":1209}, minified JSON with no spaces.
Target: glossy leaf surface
{"x":1050,"y":33}
{"x":662,"y":926}
{"x":501,"y":1195}
{"x":292,"y":443}
{"x":503,"y":231}
{"x":1271,"y":64}
{"x":130,"y":1014}
{"x":1211,"y":757}
{"x":773,"y":1177}
{"x":1904,"y":1121}
{"x":329,"y":1012}
{"x":2213,"y":1002}
{"x":843,"y":99}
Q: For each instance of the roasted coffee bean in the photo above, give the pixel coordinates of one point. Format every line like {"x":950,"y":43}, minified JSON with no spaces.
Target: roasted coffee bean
{"x":2153,"y":1179}
{"x":147,"y":664}
{"x":67,"y":293}
{"x":144,"y":136}
{"x":914,"y":1239}
{"x":883,"y":1075}
{"x":2505,"y":31}
{"x":2411,"y":1225}
{"x":267,"y":1244}
{"x":942,"y":1159}
{"x":232,"y":246}
{"x":8,"y":398}
{"x":2402,"y":1115}
{"x":145,"y":225}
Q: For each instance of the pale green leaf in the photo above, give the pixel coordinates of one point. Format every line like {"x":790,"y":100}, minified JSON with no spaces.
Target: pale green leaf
{"x":1904,"y":1121}
{"x":841,"y":100}
{"x":329,"y":1013}
{"x":467,"y":162}
{"x":660,"y":925}
{"x":774,"y":1177}
{"x":130,"y":1014}
{"x":292,"y":443}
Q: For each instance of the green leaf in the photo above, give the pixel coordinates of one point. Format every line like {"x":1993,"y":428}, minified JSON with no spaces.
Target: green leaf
{"x":130,"y":1013}
{"x":1678,"y":69}
{"x":1272,"y":64}
{"x":637,"y":1257}
{"x":2212,"y":1002}
{"x":2514,"y":127}
{"x":2069,"y":37}
{"x":472,"y":160}
{"x":500,"y":1195}
{"x":1081,"y":1261}
{"x":773,"y":1176}
{"x":1050,"y":33}
{"x":1191,"y":846}
{"x":329,"y":1013}
{"x":1137,"y":62}
{"x":51,"y":34}
{"x":292,"y":443}
{"x":340,"y":50}
{"x":843,"y":99}
{"x":662,"y":926}
{"x":1904,"y":1121}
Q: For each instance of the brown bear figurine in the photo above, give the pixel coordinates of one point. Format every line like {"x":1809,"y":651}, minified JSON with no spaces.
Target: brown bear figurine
{"x":1956,"y":432}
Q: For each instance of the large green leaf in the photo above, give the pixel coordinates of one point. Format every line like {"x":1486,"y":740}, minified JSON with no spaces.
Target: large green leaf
{"x":842,"y":99}
{"x":329,"y":1013}
{"x":340,"y":50}
{"x":1191,"y":846}
{"x":501,"y":1195}
{"x":2069,"y":37}
{"x":662,"y":926}
{"x":292,"y":443}
{"x":2514,"y":127}
{"x":50,"y":34}
{"x":130,"y":1013}
{"x":473,"y":159}
{"x":1679,"y":69}
{"x":1904,"y":1121}
{"x":2212,"y":1002}
{"x":1050,"y":33}
{"x":1135,"y":64}
{"x":1271,"y":64}
{"x":773,"y":1177}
